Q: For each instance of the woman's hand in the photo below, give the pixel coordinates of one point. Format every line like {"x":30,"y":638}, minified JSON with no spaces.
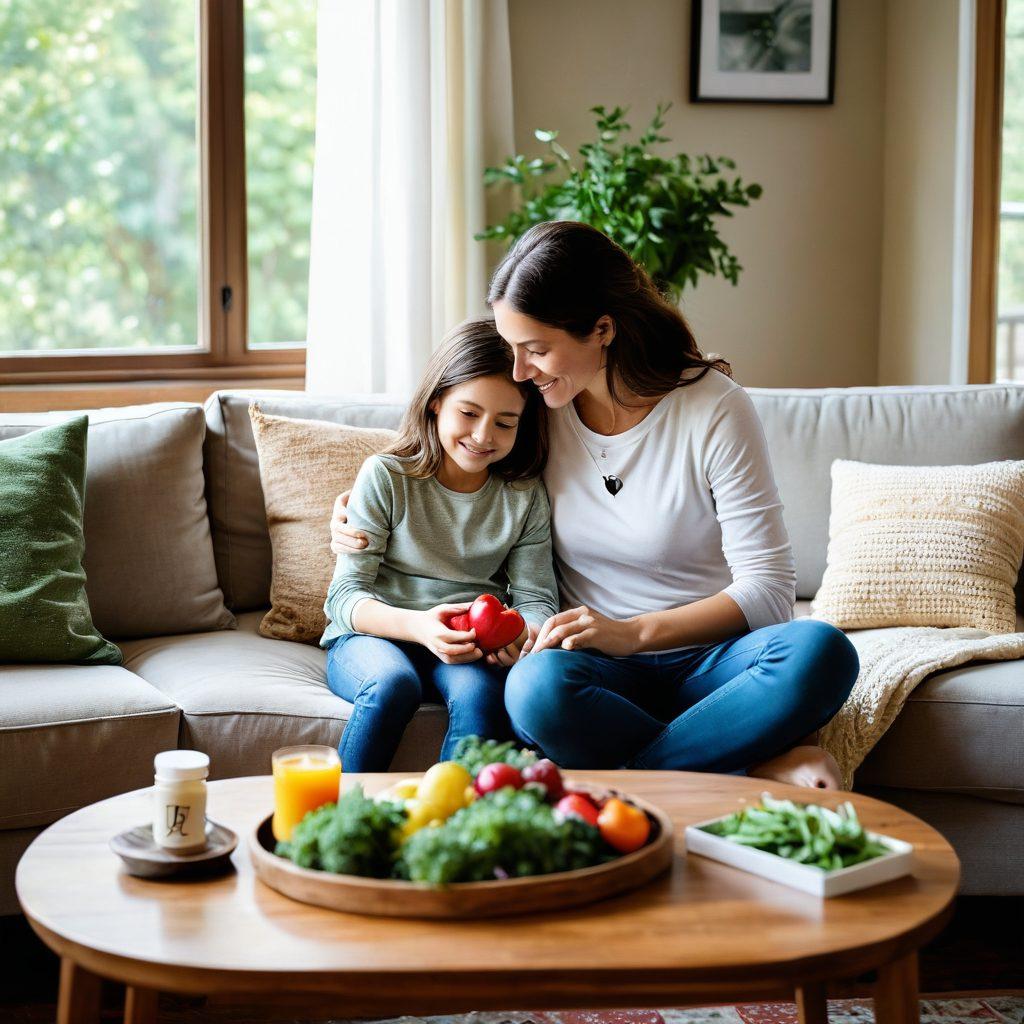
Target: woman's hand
{"x":576,"y":628}
{"x":514,"y":651}
{"x":453,"y":647}
{"x":344,"y":540}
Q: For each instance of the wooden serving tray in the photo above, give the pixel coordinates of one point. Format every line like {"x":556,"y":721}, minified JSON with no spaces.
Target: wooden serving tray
{"x":538,"y":893}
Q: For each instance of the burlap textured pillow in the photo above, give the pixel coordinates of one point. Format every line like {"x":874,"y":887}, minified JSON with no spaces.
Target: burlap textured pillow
{"x":304,"y":466}
{"x":923,"y":546}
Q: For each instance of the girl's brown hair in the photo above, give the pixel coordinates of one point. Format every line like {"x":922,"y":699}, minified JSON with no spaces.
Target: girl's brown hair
{"x":568,"y":275}
{"x":473,"y":349}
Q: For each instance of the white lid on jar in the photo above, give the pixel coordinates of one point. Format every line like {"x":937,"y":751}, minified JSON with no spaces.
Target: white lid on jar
{"x":181,"y":765}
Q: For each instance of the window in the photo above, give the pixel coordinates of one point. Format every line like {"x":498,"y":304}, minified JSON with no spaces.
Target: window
{"x":280,"y":107}
{"x":155,"y":187}
{"x":1009,"y":341}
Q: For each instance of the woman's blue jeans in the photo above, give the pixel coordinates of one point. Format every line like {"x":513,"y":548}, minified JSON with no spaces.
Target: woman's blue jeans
{"x":719,"y":708}
{"x":386,"y":681}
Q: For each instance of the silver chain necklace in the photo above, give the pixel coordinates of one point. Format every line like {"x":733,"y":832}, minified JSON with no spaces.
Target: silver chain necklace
{"x":612,"y":484}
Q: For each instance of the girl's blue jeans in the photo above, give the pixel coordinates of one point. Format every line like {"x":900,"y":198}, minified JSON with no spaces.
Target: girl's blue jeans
{"x":386,"y":681}
{"x":719,"y":708}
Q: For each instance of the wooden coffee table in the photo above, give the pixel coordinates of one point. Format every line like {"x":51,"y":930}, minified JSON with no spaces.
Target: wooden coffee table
{"x":703,"y":933}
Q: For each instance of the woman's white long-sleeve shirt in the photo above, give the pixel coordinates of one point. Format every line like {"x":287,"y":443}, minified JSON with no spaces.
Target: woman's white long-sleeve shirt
{"x":698,"y":513}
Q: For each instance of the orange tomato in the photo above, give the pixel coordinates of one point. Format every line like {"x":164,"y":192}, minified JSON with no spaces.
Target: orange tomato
{"x":623,"y":826}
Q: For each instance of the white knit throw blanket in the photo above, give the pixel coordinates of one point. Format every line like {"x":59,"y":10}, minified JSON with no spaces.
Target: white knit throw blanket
{"x":892,"y":663}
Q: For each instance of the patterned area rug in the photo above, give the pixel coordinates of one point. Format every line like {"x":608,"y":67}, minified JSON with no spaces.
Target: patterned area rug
{"x":1004,"y":1009}
{"x":1001,"y":1009}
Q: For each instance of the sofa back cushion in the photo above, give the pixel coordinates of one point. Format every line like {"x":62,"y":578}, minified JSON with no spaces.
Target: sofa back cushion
{"x":806,"y":430}
{"x":896,"y":426}
{"x":148,"y":555}
{"x":238,"y":518}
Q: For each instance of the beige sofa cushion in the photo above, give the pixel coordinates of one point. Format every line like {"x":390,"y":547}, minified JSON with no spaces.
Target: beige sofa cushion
{"x":148,"y":554}
{"x":74,"y":734}
{"x":242,"y":696}
{"x":238,"y":521}
{"x":923,"y":546}
{"x":304,"y":466}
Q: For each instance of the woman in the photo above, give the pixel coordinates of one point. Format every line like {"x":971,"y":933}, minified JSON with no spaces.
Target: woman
{"x":674,"y":648}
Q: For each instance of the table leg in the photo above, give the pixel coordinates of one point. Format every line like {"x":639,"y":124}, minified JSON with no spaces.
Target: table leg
{"x":79,"y":999}
{"x":140,"y":1005}
{"x":896,"y":995}
{"x":811,"y":1004}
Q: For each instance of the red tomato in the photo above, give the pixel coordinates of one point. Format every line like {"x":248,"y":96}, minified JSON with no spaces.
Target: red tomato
{"x":460,"y":623}
{"x":578,"y":805}
{"x":497,"y":776}
{"x":623,"y":826}
{"x":597,"y":801}
{"x":547,"y":774}
{"x":496,"y":626}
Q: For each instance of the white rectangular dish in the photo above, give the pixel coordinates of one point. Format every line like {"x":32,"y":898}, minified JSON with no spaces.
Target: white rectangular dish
{"x":805,"y":877}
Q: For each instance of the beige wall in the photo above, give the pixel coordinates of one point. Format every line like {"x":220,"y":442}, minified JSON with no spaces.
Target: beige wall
{"x":916,"y":323}
{"x":806,"y":310}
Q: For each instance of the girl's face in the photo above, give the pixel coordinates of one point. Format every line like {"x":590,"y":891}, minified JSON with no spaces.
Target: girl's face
{"x":476,"y":424}
{"x":560,"y":365}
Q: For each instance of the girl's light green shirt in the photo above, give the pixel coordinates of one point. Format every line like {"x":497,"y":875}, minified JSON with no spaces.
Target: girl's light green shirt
{"x":429,"y":545}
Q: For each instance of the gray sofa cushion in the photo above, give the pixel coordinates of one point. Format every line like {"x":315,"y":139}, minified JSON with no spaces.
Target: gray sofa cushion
{"x":987,"y":836}
{"x":960,"y":731}
{"x":148,"y":555}
{"x":243,"y":695}
{"x":933,"y":426}
{"x":238,"y":518}
{"x":74,"y":734}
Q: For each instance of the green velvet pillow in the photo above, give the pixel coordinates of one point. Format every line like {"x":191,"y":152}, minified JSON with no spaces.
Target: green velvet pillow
{"x":44,"y":612}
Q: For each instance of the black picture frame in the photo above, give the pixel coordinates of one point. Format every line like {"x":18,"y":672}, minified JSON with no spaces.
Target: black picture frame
{"x":701,"y":10}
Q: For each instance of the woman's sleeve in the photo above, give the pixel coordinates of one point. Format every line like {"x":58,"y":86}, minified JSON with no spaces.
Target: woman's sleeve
{"x":531,"y":576}
{"x":370,"y":509}
{"x":754,"y":538}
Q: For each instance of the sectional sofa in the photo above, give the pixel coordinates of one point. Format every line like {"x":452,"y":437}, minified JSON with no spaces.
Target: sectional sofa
{"x":178,"y":563}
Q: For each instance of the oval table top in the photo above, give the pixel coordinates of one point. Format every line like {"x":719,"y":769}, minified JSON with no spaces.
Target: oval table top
{"x":702,"y":920}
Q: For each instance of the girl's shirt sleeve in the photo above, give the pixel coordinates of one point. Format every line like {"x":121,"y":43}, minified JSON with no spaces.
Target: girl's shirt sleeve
{"x":754,"y":538}
{"x":370,"y":509}
{"x":531,"y":575}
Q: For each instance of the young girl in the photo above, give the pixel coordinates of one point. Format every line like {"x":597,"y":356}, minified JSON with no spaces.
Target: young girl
{"x":454,"y":509}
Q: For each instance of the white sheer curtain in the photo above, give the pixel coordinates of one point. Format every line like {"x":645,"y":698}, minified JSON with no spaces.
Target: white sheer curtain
{"x":414,"y":99}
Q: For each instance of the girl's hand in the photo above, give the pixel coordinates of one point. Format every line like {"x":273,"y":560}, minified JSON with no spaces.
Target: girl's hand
{"x":514,"y":651}
{"x":576,"y":628}
{"x":344,"y":540}
{"x":450,"y":645}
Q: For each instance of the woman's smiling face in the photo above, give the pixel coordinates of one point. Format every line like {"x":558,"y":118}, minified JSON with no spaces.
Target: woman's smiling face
{"x":560,"y":365}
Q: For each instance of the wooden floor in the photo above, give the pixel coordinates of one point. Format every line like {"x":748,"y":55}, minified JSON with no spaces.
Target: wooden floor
{"x":981,"y":951}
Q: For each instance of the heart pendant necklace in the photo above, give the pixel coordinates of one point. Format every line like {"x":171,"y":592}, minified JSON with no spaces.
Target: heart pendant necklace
{"x":612,"y":483}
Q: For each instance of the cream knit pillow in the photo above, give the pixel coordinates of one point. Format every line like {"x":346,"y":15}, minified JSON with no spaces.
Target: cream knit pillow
{"x":923,"y":546}
{"x":304,"y":466}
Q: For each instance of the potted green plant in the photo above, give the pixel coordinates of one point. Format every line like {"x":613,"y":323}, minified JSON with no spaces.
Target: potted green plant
{"x":661,"y":210}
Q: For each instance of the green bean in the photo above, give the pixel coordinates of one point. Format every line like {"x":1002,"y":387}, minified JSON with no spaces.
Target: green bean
{"x":805,"y":833}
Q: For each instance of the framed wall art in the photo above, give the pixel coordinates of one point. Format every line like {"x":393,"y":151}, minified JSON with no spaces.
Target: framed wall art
{"x":763,"y":51}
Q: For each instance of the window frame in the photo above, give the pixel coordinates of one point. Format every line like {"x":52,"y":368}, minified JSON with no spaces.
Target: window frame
{"x":989,"y":58}
{"x":226,"y":355}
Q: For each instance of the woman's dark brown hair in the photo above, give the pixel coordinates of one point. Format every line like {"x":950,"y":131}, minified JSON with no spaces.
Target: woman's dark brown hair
{"x":473,"y":349}
{"x":568,"y":275}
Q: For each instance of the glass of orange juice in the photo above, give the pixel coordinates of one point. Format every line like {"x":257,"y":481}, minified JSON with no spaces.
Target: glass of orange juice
{"x":305,"y":778}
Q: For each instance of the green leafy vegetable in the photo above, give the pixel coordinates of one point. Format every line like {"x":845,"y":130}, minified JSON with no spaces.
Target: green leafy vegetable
{"x":355,"y":836}
{"x":473,"y":753}
{"x":507,"y":834}
{"x":806,"y":833}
